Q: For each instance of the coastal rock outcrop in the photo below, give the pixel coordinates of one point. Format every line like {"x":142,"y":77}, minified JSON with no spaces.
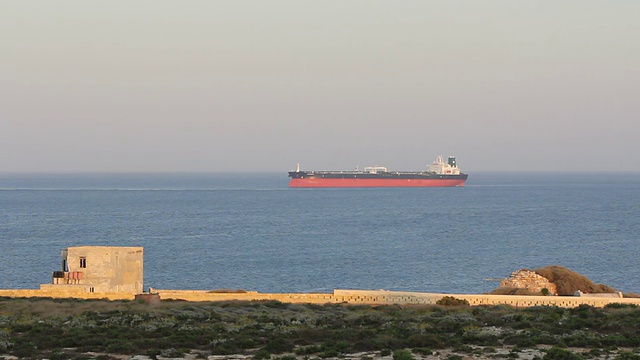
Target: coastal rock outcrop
{"x":530,"y":281}
{"x":557,"y":280}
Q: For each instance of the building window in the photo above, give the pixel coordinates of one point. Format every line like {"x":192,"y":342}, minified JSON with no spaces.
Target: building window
{"x":92,"y":289}
{"x":83,"y":262}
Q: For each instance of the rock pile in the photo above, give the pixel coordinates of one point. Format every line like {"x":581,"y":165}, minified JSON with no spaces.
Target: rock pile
{"x":529,"y":280}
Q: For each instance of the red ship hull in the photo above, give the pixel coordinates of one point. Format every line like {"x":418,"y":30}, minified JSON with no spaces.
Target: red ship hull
{"x":365,"y":183}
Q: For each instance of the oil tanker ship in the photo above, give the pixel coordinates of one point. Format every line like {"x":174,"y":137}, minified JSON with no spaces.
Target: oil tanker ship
{"x":438,"y":174}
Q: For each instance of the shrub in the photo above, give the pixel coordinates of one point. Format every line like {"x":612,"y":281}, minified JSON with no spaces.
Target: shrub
{"x":595,"y":353}
{"x":120,"y":347}
{"x":402,"y":354}
{"x":173,"y":353}
{"x":308,"y":350}
{"x":426,"y":340}
{"x":341,"y":346}
{"x":153,"y":353}
{"x":620,"y":306}
{"x":524,"y":340}
{"x":627,"y":355}
{"x":24,"y":350}
{"x":279,"y":345}
{"x":58,"y":354}
{"x":556,"y":353}
{"x":286,"y":357}
{"x":262,"y":354}
{"x":452,"y":301}
{"x":423,"y":351}
{"x":329,"y":353}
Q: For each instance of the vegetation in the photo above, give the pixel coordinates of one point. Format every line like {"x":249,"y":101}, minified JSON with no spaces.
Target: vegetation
{"x":403,"y":354}
{"x":452,"y":301}
{"x":72,"y":329}
{"x":228,"y":291}
{"x":568,"y":282}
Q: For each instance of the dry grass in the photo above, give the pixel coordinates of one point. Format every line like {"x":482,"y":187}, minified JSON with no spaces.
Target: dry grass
{"x":568,"y":282}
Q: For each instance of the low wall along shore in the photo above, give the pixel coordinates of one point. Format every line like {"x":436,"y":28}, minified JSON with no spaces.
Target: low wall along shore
{"x":381,"y":297}
{"x":57,"y":294}
{"x":116,"y":273}
{"x":369,"y":297}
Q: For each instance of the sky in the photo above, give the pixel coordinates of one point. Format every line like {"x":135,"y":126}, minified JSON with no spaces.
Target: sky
{"x":257,"y":86}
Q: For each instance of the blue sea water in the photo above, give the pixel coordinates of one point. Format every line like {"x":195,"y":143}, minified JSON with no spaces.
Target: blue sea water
{"x":250,"y":231}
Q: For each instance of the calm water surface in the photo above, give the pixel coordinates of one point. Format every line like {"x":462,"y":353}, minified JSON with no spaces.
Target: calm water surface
{"x":249,"y":231}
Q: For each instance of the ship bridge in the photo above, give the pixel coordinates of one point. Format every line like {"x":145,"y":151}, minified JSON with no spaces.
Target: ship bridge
{"x":445,"y":168}
{"x":375,"y":169}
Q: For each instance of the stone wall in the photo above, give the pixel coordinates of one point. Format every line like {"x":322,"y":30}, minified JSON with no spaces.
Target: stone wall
{"x":365,"y":297}
{"x":529,"y":280}
{"x":383,"y":297}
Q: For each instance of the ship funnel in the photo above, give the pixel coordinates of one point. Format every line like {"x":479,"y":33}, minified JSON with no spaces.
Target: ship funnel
{"x":452,"y":161}
{"x":298,"y":167}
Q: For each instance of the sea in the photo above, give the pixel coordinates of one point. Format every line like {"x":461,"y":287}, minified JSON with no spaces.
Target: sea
{"x":252,"y":232}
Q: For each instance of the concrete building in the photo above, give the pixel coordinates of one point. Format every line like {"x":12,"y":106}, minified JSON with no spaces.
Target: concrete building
{"x":99,"y":269}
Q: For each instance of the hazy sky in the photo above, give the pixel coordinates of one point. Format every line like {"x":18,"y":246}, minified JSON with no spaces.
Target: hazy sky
{"x":263,"y":85}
